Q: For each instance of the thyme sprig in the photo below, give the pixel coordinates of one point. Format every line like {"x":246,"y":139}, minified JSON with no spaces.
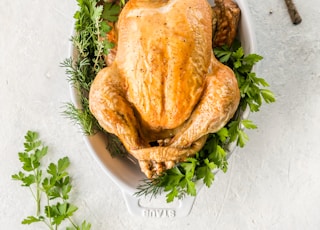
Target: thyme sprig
{"x":90,"y":47}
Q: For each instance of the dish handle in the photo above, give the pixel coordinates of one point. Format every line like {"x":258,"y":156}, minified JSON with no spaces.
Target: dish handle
{"x":158,"y":207}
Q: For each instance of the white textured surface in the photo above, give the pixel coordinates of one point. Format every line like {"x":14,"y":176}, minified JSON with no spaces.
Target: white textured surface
{"x":273,"y":183}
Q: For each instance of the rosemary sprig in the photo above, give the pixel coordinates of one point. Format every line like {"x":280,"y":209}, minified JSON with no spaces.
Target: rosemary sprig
{"x":82,"y":118}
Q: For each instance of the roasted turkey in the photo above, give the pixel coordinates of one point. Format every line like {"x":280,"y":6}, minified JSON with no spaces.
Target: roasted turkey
{"x":164,"y":91}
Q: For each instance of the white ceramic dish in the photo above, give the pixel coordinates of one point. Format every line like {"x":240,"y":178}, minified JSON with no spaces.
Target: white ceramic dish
{"x":125,"y":172}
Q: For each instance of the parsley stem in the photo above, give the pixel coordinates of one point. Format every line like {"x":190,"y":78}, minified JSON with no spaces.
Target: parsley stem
{"x":34,"y":196}
{"x":74,"y":225}
{"x":38,"y":201}
{"x":38,"y":192}
{"x":49,"y":214}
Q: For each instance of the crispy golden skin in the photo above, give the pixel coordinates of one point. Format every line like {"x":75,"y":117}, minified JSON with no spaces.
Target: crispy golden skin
{"x":226,"y":17}
{"x":164,"y":91}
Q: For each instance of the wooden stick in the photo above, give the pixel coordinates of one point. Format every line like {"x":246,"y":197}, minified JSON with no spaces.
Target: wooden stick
{"x":294,"y":14}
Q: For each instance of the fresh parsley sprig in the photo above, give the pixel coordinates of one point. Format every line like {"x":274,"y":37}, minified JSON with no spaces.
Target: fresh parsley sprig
{"x":252,"y":88}
{"x":55,"y":186}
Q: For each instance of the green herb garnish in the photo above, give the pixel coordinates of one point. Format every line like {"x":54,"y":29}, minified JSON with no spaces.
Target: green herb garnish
{"x":90,"y":46}
{"x":181,"y":180}
{"x":55,"y":187}
{"x":251,"y":86}
{"x":93,"y":21}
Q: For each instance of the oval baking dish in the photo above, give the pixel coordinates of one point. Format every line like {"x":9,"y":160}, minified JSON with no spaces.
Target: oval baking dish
{"x":125,"y":171}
